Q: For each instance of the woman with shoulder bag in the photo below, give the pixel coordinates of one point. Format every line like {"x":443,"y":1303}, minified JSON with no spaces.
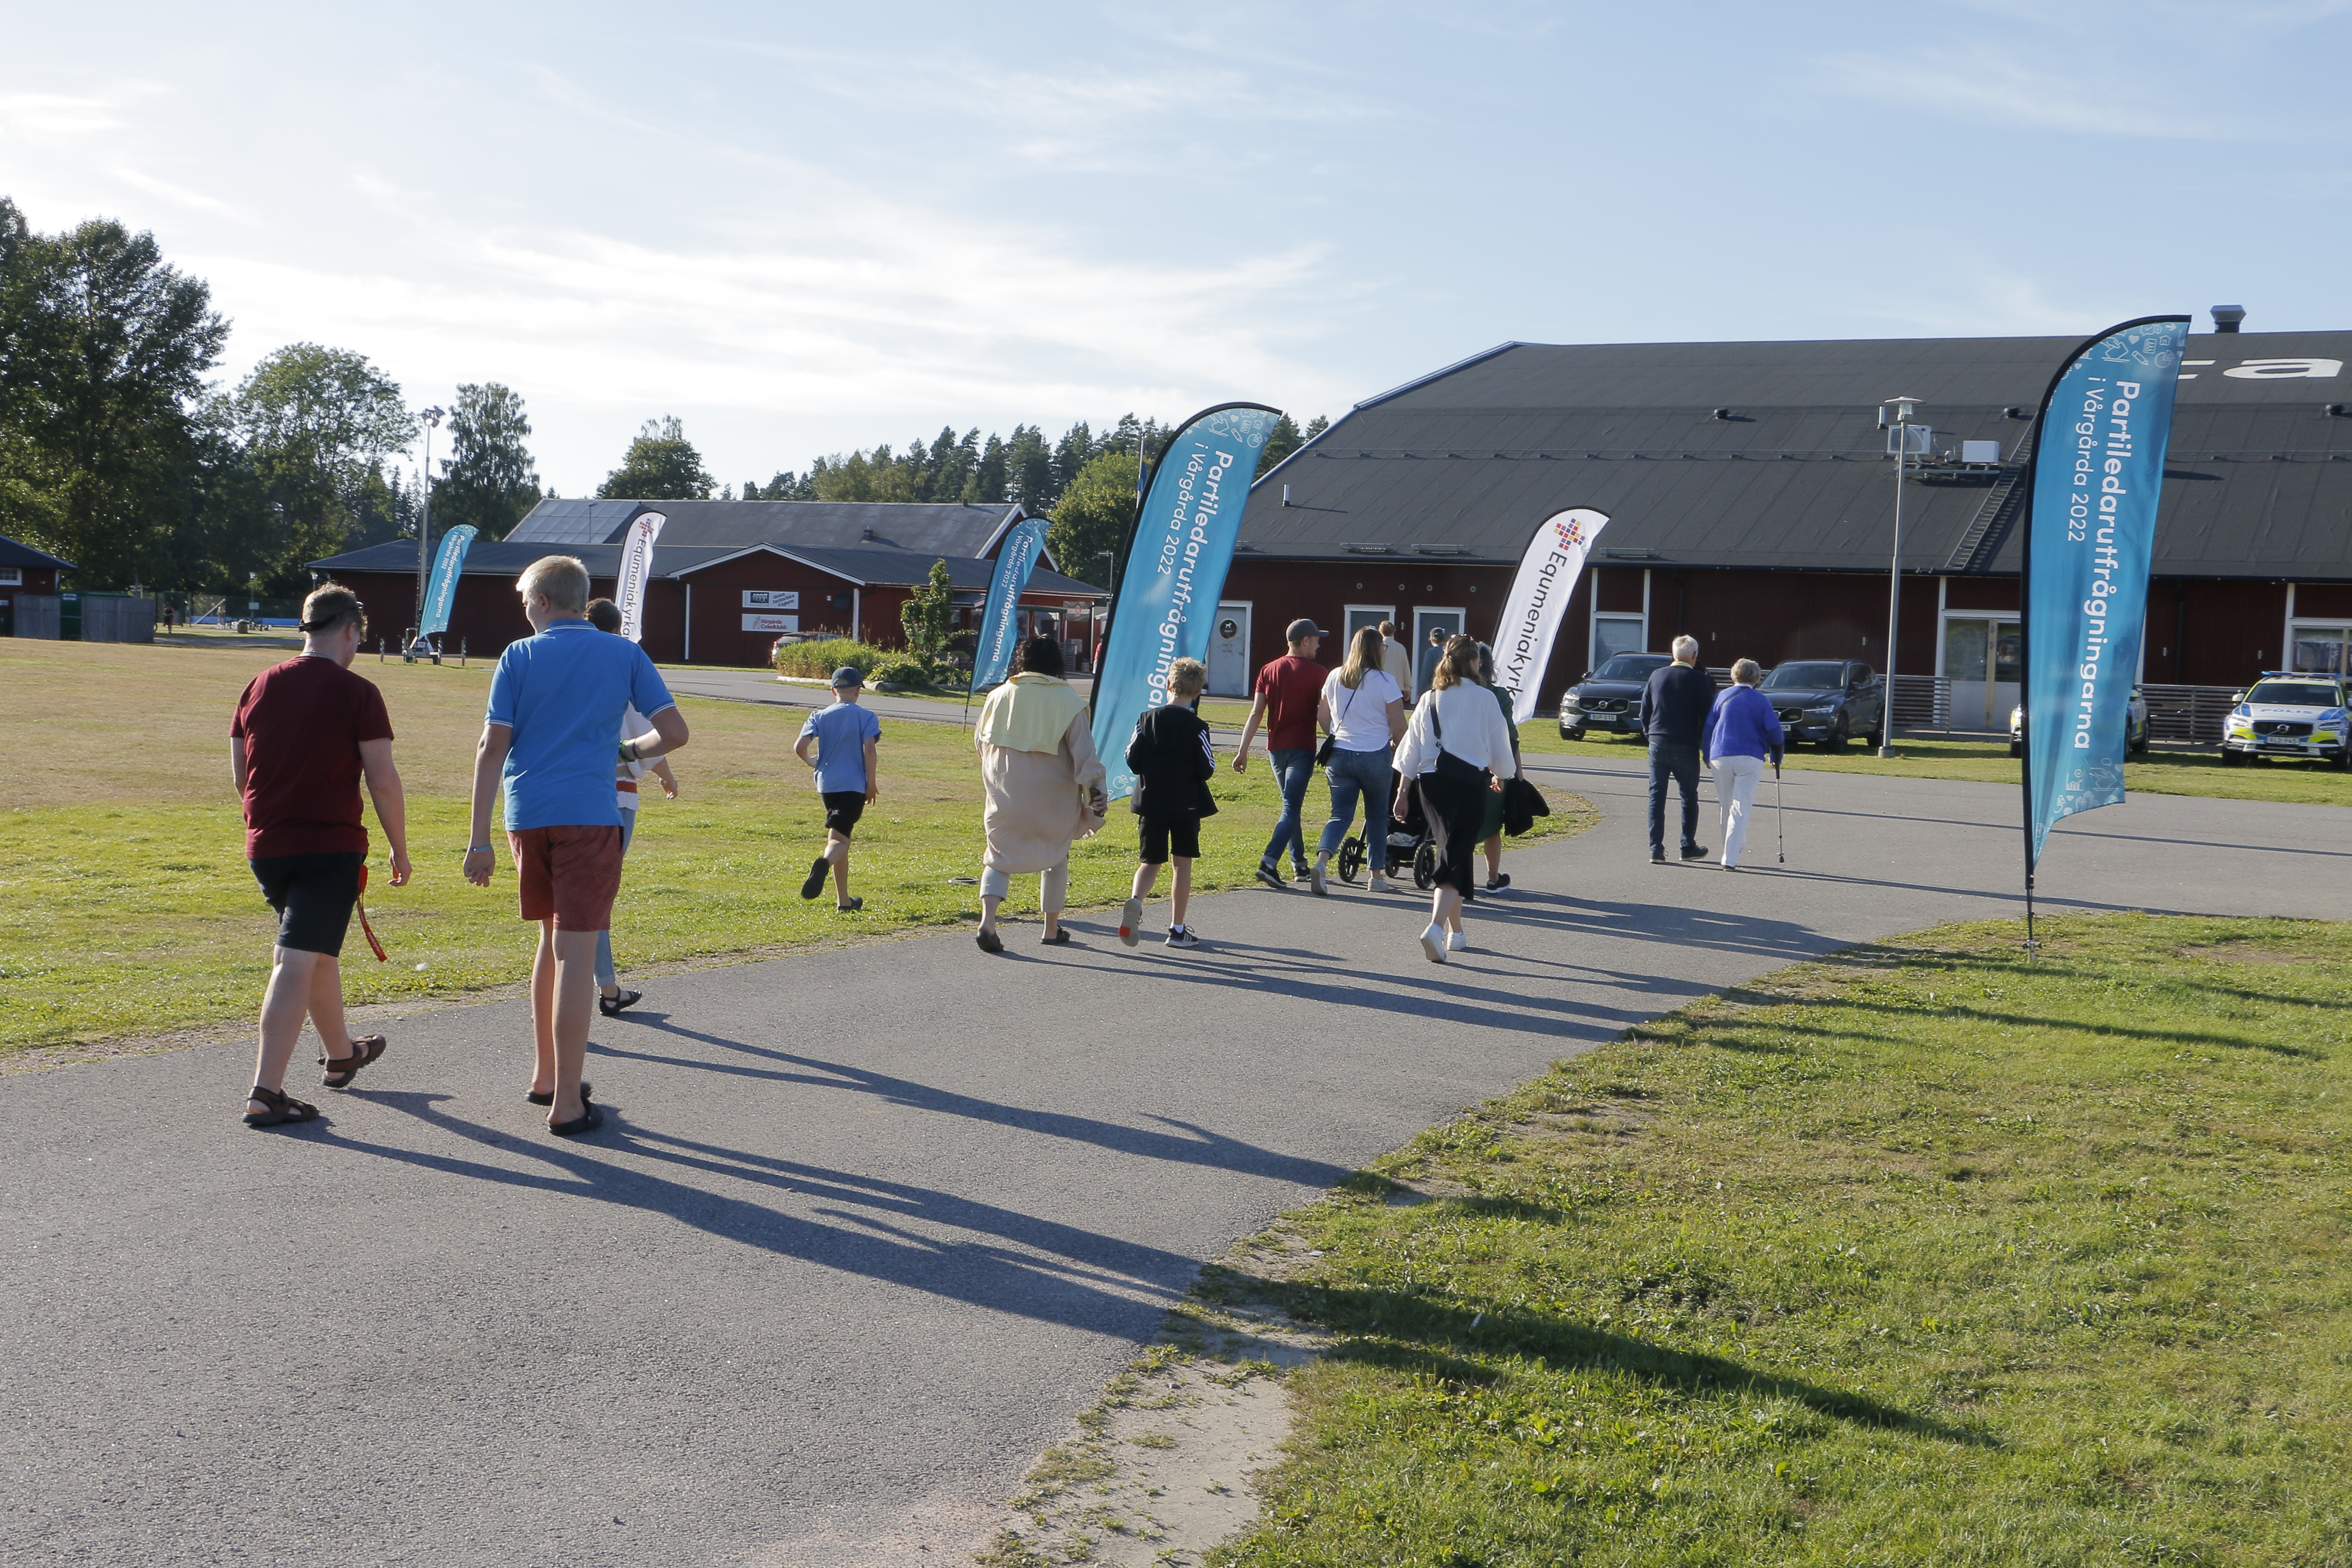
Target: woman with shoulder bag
{"x":1173,"y":762}
{"x":1363,"y":712}
{"x":1457,"y":750}
{"x":1492,"y":829}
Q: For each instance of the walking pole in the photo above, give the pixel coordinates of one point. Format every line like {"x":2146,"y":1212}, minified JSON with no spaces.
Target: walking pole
{"x":1780,"y":812}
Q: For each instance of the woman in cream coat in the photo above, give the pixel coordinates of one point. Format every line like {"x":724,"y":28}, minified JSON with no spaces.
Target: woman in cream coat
{"x":1045,"y":786}
{"x":1458,"y":718}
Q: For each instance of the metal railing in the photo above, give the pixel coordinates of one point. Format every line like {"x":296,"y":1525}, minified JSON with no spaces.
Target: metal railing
{"x":1922,"y":702}
{"x":2191,"y":715}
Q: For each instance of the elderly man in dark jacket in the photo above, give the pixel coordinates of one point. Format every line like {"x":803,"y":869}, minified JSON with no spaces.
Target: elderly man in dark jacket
{"x":1672,"y":710}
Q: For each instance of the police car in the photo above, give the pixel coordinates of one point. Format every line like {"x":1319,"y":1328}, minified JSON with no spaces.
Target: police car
{"x":2289,"y":714}
{"x":2134,"y":726}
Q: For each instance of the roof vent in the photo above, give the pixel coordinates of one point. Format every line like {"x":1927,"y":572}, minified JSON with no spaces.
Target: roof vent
{"x":2015,"y":412}
{"x":1365,"y":549}
{"x":2227,"y":317}
{"x":2335,"y":410}
{"x":1723,"y":414}
{"x":1441,"y":550}
{"x":865,"y":534}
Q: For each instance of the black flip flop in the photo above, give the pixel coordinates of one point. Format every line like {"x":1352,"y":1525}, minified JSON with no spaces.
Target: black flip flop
{"x":549,"y":1097}
{"x":612,"y":1006}
{"x":586,"y":1121}
{"x":817,"y":874}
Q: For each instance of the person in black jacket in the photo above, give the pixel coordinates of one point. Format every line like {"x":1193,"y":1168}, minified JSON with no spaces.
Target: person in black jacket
{"x":1173,"y":762}
{"x":1672,"y":712}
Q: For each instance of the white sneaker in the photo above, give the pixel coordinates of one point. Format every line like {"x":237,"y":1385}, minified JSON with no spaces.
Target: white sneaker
{"x":1382,"y":885}
{"x":1432,"y":942}
{"x":1130,"y":921}
{"x":1455,"y":941}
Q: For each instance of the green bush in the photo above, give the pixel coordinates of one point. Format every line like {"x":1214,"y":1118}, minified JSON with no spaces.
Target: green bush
{"x":900,"y":670}
{"x":820,"y":657}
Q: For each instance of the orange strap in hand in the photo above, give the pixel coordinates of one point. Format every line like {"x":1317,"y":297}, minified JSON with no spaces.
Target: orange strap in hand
{"x":360,"y":902}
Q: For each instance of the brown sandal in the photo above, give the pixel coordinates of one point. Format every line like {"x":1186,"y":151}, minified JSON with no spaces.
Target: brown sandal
{"x":340,"y":1070}
{"x":282,"y":1108}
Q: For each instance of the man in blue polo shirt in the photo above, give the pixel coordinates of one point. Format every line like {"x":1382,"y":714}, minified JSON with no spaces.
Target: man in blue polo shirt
{"x":555,"y":705}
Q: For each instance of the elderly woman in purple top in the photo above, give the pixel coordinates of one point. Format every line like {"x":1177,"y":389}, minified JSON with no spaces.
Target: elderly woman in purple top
{"x":1742,"y":732}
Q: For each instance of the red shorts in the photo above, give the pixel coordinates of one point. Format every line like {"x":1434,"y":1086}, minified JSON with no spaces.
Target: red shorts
{"x":570,"y":873}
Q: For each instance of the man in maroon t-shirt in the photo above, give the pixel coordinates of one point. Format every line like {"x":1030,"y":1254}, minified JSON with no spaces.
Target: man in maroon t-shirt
{"x":1289,"y":693}
{"x":306,"y":732}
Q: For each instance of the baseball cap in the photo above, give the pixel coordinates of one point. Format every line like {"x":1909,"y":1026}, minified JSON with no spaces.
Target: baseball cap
{"x":1304,"y":630}
{"x":847,"y":675}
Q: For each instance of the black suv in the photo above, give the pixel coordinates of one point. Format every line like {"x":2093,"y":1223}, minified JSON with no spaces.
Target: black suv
{"x":1605,"y":698}
{"x":1828,"y":701}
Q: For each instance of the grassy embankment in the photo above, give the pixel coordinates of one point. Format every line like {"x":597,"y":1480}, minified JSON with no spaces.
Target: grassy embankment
{"x":1924,"y":1254}
{"x":126,"y":908}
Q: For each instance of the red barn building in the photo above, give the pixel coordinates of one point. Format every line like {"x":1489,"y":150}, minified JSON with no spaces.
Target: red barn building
{"x":1751,"y":504}
{"x":729,"y":577}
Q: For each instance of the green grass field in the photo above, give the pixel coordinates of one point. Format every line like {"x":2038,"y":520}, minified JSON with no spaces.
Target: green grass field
{"x":1988,"y":762}
{"x":1926,"y":1254}
{"x":126,"y":908}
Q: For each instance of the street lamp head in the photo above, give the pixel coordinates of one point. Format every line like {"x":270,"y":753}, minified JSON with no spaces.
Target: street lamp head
{"x":433,"y":416}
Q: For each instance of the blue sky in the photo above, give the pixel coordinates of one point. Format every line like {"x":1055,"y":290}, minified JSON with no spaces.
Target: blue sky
{"x":804,"y":228}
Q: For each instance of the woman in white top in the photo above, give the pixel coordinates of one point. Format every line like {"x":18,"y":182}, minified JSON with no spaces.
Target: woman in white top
{"x":1456,"y":748}
{"x":605,"y":617}
{"x":1363,"y":712}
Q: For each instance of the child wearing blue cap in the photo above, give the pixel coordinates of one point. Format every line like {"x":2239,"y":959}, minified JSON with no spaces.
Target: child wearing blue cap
{"x":844,"y":736}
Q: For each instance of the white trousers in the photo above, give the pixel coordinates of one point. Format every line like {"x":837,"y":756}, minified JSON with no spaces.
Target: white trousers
{"x":1736,"y":779}
{"x":1053,"y":887}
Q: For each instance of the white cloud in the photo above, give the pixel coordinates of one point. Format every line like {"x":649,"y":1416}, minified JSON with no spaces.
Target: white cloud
{"x":184,"y":196}
{"x":46,"y":116}
{"x":1990,"y":86}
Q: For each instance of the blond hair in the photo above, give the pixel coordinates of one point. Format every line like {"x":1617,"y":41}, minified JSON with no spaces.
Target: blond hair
{"x":1366,"y":652}
{"x":560,"y":578}
{"x":1186,"y":677}
{"x":1458,"y":665}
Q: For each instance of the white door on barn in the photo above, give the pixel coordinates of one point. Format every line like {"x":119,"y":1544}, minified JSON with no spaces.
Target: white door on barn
{"x":1229,"y":645}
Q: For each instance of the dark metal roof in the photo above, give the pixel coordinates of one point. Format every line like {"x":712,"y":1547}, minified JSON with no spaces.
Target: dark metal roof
{"x":869,"y":567}
{"x":1464,"y":463}
{"x":940,"y":528}
{"x":15,"y":554}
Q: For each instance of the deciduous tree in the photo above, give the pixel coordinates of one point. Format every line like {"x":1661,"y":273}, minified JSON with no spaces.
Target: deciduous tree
{"x":1093,"y":516}
{"x":488,"y":479}
{"x":661,"y":465}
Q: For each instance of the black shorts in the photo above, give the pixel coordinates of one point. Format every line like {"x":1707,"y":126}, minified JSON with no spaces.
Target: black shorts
{"x":313,"y":895}
{"x":843,"y":807}
{"x":1165,"y":835}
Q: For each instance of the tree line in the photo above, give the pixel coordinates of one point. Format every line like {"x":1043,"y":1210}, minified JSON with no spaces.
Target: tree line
{"x":119,"y":454}
{"x":1086,"y":482}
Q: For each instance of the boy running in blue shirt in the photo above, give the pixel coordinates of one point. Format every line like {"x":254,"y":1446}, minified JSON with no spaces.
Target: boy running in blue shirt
{"x":844,"y":736}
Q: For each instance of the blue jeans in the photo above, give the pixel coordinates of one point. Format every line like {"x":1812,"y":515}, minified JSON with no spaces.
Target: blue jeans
{"x":1678,"y":762}
{"x":606,"y":973}
{"x":1292,"y":772}
{"x":1355,"y":775}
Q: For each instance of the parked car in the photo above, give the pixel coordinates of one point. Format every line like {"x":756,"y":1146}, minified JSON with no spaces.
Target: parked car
{"x":1828,"y":702}
{"x":1605,"y":698}
{"x":2134,"y":726}
{"x":2291,"y":714}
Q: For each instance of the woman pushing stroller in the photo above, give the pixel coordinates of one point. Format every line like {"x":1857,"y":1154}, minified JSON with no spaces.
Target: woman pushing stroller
{"x":1456,"y":749}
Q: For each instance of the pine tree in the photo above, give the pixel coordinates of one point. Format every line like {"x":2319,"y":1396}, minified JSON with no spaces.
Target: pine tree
{"x":989,"y":475}
{"x":1073,"y":452}
{"x":1317,"y":425}
{"x":1029,"y":470}
{"x":1284,"y":440}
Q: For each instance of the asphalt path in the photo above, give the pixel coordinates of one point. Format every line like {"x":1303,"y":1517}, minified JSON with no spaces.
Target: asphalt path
{"x":865,"y":1226}
{"x":759,"y":686}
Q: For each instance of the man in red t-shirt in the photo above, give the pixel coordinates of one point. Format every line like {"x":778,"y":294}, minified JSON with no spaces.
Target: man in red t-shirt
{"x":306,"y":732}
{"x":1289,"y":693}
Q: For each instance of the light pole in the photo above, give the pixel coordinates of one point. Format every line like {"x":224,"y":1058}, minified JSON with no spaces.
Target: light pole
{"x":1895,"y":414}
{"x":431,"y":418}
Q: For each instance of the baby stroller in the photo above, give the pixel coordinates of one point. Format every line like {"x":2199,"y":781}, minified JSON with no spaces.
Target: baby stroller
{"x":1407,"y":844}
